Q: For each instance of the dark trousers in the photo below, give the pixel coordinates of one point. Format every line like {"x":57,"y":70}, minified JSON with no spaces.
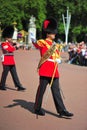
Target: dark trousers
{"x":12,"y":69}
{"x":44,"y":81}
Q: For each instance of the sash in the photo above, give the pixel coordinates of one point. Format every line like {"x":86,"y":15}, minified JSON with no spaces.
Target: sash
{"x":47,"y":54}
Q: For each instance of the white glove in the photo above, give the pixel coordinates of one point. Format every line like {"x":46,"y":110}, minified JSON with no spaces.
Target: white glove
{"x":32,"y":37}
{"x":33,"y":40}
{"x":59,"y":61}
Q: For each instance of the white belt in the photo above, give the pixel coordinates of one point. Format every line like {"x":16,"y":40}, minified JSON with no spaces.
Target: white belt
{"x":57,"y":60}
{"x":51,"y":60}
{"x":8,"y":54}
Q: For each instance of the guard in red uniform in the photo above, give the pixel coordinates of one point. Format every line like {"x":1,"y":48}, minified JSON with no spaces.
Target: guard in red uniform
{"x":8,"y":47}
{"x":48,"y":68}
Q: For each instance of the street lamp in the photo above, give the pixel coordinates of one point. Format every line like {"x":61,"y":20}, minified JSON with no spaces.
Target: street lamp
{"x":14,"y":24}
{"x":66,"y":21}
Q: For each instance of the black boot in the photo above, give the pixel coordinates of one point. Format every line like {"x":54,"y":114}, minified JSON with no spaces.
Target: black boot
{"x":40,"y":112}
{"x":66,"y":113}
{"x":3,"y":88}
{"x":21,"y":88}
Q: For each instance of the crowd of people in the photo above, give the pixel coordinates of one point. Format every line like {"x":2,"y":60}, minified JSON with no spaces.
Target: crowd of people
{"x":78,"y":54}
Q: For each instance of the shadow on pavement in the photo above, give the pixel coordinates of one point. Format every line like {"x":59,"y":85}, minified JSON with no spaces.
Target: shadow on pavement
{"x":30,"y":107}
{"x":26,"y":105}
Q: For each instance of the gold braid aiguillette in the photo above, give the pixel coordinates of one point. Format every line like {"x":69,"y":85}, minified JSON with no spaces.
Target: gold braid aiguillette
{"x":47,"y":54}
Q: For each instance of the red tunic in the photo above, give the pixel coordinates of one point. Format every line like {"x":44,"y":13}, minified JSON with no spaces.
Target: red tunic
{"x":8,"y":50}
{"x":47,"y":68}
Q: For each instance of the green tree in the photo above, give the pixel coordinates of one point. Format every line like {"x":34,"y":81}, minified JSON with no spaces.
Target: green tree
{"x":21,"y":11}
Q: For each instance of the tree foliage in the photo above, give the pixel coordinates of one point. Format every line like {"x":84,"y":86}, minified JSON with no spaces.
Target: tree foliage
{"x":21,"y":11}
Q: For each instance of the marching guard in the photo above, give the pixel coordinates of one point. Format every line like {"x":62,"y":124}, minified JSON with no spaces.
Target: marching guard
{"x":7,"y":58}
{"x":48,"y":68}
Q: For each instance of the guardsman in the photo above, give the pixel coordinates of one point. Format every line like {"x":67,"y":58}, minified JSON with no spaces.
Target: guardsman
{"x":8,"y":62}
{"x":48,"y":68}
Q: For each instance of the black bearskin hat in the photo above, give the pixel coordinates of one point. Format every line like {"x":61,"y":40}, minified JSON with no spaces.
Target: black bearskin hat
{"x":8,"y":32}
{"x":49,"y":26}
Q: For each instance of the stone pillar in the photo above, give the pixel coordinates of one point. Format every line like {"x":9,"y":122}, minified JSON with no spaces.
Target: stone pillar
{"x":15,"y":32}
{"x":31,"y":30}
